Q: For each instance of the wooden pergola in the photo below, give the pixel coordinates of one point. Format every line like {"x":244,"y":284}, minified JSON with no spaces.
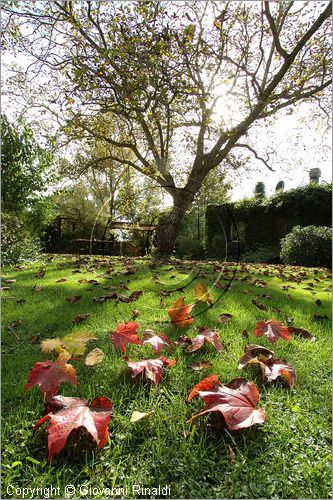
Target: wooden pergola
{"x":130,"y":226}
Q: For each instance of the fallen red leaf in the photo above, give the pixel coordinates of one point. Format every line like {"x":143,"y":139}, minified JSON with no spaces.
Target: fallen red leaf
{"x":204,"y":385}
{"x":301,"y":333}
{"x":183,"y":339}
{"x":272,"y":329}
{"x":67,"y":414}
{"x":206,"y":335}
{"x":236,"y":401}
{"x":48,"y":375}
{"x":151,"y":367}
{"x":251,"y":352}
{"x":126,"y":334}
{"x":195,"y":343}
{"x":180,"y":313}
{"x":156,"y":340}
{"x":273,"y":368}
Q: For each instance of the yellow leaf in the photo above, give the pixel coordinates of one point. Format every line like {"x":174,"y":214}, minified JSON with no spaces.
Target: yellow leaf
{"x":75,"y":343}
{"x":94,"y":357}
{"x":76,"y":347}
{"x":138,"y":415}
{"x":201,"y":293}
{"x":84,"y":336}
{"x":50,"y":345}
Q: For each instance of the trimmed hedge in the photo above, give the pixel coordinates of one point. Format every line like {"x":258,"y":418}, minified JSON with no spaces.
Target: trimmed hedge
{"x":263,"y":222}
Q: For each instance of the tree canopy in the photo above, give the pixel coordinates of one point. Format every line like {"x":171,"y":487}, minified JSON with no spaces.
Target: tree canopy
{"x":174,"y":85}
{"x":25,"y":166}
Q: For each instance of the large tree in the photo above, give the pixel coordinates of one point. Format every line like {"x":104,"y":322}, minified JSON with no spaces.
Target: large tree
{"x":182,"y":83}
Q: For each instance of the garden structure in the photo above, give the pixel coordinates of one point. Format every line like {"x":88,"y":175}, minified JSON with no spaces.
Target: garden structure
{"x":61,"y":238}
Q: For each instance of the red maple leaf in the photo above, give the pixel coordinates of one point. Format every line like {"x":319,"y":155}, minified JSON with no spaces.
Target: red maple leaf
{"x":126,"y":334}
{"x":67,"y":414}
{"x":274,"y":368}
{"x":301,"y":333}
{"x":207,"y":335}
{"x":151,"y":367}
{"x":48,"y":375}
{"x":179,"y":313}
{"x":271,"y":368}
{"x":272,"y":329}
{"x":156,"y":340}
{"x":251,"y":352}
{"x":236,"y":401}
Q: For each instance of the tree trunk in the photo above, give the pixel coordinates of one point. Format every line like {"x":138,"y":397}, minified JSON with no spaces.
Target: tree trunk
{"x":169,"y":226}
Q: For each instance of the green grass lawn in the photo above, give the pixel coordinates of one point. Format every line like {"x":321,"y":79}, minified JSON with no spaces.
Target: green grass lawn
{"x":286,"y":457}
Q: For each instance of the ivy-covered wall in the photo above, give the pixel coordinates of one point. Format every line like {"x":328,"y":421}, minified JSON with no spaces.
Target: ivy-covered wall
{"x":259,"y":222}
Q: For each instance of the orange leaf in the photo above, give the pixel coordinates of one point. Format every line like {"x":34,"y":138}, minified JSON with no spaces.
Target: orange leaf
{"x":204,"y":385}
{"x":125,"y":334}
{"x":179,"y":313}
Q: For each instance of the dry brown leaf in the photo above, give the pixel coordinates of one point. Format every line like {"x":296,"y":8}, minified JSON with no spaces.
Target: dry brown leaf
{"x":201,"y":365}
{"x":80,"y":318}
{"x":73,"y":298}
{"x":94,"y":357}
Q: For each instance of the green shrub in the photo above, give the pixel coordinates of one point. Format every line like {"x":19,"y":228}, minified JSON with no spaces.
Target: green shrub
{"x":269,"y":255}
{"x":17,"y":242}
{"x":188,"y":247}
{"x":307,"y":246}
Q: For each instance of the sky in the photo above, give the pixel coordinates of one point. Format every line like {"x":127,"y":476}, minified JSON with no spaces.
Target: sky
{"x":301,"y":143}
